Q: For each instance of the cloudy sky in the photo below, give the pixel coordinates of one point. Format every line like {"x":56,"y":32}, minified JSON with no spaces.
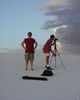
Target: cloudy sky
{"x":42,"y":18}
{"x":65,"y":23}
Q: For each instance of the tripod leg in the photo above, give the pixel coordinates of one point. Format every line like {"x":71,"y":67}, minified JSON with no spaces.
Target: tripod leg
{"x":55,"y":62}
{"x":51,"y":59}
{"x":61,"y":60}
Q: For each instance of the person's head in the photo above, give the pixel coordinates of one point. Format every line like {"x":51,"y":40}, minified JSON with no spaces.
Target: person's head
{"x":29,"y":34}
{"x":52,"y":37}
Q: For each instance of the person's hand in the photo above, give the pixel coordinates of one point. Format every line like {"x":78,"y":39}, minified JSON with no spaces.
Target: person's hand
{"x":25,"y":49}
{"x":53,"y":53}
{"x":34,"y":50}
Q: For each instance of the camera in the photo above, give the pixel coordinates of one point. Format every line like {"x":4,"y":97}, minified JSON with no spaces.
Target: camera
{"x":55,"y":39}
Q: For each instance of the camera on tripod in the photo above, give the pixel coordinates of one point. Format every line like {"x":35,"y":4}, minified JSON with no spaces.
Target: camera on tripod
{"x":54,"y":42}
{"x":55,"y":39}
{"x":53,"y":47}
{"x":55,"y":52}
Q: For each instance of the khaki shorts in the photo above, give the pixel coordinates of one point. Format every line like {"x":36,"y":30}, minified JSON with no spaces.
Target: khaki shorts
{"x":29,"y":56}
{"x":47,"y":54}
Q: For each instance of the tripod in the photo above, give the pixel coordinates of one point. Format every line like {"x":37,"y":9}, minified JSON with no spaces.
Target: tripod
{"x":55,"y":53}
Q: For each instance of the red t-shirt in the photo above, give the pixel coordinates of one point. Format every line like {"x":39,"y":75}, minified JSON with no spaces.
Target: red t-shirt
{"x":29,"y":42}
{"x":47,"y":46}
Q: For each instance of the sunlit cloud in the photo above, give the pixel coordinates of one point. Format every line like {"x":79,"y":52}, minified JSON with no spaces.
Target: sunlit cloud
{"x":58,"y":46}
{"x":59,"y":27}
{"x":54,"y":5}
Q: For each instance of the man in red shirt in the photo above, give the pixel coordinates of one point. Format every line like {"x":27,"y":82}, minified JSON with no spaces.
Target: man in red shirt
{"x":47,"y":49}
{"x":29,"y":49}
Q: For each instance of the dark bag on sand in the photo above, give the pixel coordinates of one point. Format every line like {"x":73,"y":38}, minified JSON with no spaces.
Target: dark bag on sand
{"x":47,"y":73}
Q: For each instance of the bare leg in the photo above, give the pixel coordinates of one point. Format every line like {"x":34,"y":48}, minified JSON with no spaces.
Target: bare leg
{"x":47,"y":60}
{"x":26,"y":65}
{"x":31,"y":62}
{"x":47,"y":63}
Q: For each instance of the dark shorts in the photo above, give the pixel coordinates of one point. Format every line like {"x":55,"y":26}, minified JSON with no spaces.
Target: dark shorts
{"x":29,"y":56}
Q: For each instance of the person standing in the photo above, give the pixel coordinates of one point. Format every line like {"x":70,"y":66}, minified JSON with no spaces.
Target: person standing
{"x":47,"y":49}
{"x":29,"y":44}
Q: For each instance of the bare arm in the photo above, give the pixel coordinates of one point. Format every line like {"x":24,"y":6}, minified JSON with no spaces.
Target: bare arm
{"x":35,"y":45}
{"x":22,"y":44}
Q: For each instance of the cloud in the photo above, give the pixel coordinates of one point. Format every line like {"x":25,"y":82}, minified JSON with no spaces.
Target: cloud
{"x":54,"y":5}
{"x":59,"y":27}
{"x":65,"y":12}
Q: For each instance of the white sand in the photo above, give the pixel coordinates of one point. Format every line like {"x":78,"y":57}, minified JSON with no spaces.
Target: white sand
{"x":65,"y":85}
